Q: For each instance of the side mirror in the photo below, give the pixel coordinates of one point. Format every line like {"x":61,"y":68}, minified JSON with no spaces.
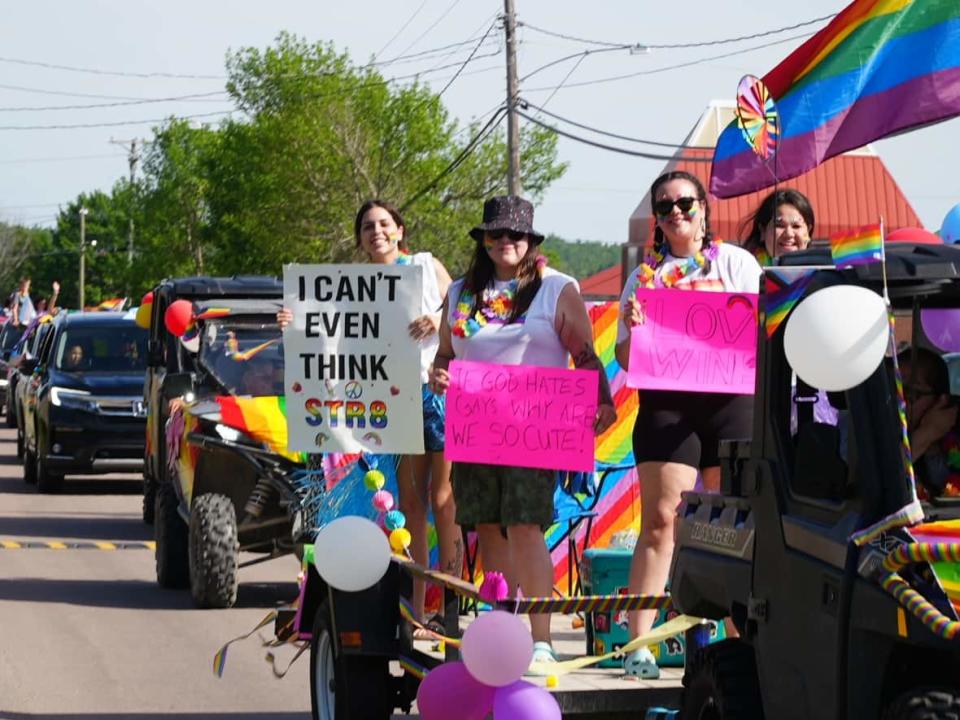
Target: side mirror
{"x":177,"y":385}
{"x":154,"y":353}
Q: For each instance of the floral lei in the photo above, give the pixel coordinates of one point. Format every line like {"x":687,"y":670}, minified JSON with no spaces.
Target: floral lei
{"x":404,"y":258}
{"x":763,"y":257}
{"x":648,"y":278}
{"x":951,"y":449}
{"x":496,"y":307}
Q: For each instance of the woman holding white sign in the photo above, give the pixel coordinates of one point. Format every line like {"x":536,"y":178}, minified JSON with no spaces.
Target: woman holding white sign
{"x":677,"y":434}
{"x":510,"y":309}
{"x":379,"y":232}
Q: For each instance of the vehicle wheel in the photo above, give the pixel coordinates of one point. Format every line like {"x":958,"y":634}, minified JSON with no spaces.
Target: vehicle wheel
{"x":10,"y":417}
{"x":19,"y":443}
{"x":723,"y":685}
{"x":345,"y":686}
{"x":47,"y":482}
{"x":214,"y":551}
{"x":173,"y":570}
{"x":149,"y":500}
{"x":925,"y":704}
{"x":29,"y":467}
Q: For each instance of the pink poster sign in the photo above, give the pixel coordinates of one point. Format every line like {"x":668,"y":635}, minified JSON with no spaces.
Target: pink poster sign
{"x":694,"y":340}
{"x":521,"y":416}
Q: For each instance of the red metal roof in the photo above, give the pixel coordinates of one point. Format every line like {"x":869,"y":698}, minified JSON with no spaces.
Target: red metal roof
{"x":846,"y":192}
{"x":602,"y":284}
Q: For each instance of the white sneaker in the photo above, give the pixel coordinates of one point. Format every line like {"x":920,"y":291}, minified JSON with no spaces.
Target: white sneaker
{"x":642,"y":664}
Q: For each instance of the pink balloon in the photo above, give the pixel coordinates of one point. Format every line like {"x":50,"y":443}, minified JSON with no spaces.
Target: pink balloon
{"x":524,"y":701}
{"x":497,"y":648}
{"x":383,"y":501}
{"x":449,"y":690}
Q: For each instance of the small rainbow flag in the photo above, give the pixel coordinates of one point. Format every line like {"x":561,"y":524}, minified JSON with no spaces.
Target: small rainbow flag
{"x":857,"y":247}
{"x":262,"y":418}
{"x":784,"y":288}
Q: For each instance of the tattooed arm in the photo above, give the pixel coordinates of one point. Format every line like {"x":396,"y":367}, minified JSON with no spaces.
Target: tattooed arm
{"x":576,"y":333}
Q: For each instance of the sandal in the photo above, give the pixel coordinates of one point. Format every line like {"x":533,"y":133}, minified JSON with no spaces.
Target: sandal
{"x":642,"y":664}
{"x":542,"y":653}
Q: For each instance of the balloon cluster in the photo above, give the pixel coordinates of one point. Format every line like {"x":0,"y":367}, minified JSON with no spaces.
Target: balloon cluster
{"x":393,"y":520}
{"x":496,"y":649}
{"x":144,"y":312}
{"x":180,"y":322}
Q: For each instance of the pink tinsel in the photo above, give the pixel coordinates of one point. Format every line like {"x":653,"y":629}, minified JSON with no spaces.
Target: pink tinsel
{"x":493,"y":588}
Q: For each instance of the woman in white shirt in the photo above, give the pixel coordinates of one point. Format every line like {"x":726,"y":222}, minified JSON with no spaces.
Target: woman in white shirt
{"x":677,"y":434}
{"x":510,"y":309}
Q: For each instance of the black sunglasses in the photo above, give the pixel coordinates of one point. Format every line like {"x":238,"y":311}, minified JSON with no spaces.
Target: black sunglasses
{"x":512,"y":234}
{"x":665,"y":207}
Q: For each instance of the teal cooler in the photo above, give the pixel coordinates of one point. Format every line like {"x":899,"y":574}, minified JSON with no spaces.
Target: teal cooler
{"x":606,"y":571}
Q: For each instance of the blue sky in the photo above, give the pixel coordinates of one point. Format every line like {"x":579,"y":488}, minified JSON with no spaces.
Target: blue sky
{"x":42,"y":169}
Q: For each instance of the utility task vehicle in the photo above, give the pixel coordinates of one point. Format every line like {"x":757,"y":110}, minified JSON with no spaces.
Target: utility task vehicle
{"x":227,"y":482}
{"x":819,"y":637}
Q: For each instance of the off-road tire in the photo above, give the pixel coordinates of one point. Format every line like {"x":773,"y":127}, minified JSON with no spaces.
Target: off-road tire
{"x":722,"y":684}
{"x":925,"y":704}
{"x":170,"y":532}
{"x":19,"y":443}
{"x":149,"y":500}
{"x":29,"y":467}
{"x":9,"y":416}
{"x":47,"y":481}
{"x":360,"y":683}
{"x":214,"y":551}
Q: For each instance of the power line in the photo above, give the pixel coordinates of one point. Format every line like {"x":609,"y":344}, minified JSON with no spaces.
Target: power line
{"x":402,"y":28}
{"x":539,"y":109}
{"x":668,"y":68}
{"x":398,"y":58}
{"x":65,"y":158}
{"x":677,"y":46}
{"x":113,"y":73}
{"x":581,"y":55}
{"x":76,"y":126}
{"x":436,"y":22}
{"x":612,"y":148}
{"x":562,"y":83}
{"x":466,"y":62}
{"x":120,"y":103}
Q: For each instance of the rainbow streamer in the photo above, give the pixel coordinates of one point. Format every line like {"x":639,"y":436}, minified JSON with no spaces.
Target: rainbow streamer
{"x":220,"y":657}
{"x":857,"y":247}
{"x":247,"y":354}
{"x":920,"y":607}
{"x":784,"y":288}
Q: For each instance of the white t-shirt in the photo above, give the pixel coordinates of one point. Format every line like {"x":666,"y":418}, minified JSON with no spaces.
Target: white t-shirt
{"x":430,"y":305}
{"x":532,"y":342}
{"x":734,"y":270}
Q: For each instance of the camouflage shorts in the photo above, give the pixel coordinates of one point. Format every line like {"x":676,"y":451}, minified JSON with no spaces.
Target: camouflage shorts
{"x":505,"y":496}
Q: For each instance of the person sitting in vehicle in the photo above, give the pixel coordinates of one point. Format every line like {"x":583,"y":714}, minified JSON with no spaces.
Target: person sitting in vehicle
{"x":73,"y":359}
{"x":932,"y":421}
{"x":259,"y":378}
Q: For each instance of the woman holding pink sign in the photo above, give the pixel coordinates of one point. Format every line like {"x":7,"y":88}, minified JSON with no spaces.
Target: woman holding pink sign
{"x":677,"y":433}
{"x":510,"y":309}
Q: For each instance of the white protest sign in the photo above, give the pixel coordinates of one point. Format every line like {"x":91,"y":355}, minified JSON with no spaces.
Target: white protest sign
{"x":352,"y":371}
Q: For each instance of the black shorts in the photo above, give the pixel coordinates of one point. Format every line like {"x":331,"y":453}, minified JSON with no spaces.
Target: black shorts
{"x":687,"y":427}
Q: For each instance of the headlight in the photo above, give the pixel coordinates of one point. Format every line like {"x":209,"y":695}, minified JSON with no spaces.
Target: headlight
{"x":227,"y":433}
{"x":72,"y":399}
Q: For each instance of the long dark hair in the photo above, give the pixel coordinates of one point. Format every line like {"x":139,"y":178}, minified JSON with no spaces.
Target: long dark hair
{"x":767,"y":211}
{"x":390,"y":208}
{"x":481,"y":272}
{"x":659,"y":239}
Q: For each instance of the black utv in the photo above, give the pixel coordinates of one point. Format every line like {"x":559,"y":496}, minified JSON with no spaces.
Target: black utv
{"x":819,"y":637}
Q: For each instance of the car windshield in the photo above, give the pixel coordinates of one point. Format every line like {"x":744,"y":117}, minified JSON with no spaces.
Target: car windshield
{"x":10,"y":335}
{"x":245,"y":357}
{"x":107,"y":347}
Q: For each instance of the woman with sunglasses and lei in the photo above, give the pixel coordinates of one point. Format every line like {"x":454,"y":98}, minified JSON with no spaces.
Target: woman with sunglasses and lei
{"x":677,"y":434}
{"x":510,"y":309}
{"x":783,"y":223}
{"x":380,"y":233}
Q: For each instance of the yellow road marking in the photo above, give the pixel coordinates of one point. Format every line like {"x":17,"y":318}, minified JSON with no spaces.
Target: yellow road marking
{"x":150,"y":545}
{"x":105,"y":545}
{"x":55,"y":545}
{"x":9,"y":544}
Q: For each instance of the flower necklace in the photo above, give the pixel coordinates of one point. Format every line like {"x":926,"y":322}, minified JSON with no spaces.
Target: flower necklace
{"x":404,"y":258}
{"x":648,"y":278}
{"x":496,"y":307}
{"x":951,"y":450}
{"x":763,"y":257}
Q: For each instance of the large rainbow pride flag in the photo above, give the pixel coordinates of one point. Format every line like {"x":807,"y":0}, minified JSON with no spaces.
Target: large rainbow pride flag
{"x":880,"y":67}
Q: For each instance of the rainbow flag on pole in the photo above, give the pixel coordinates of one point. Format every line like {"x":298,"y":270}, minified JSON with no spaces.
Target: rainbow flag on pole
{"x":783,"y":287}
{"x":880,"y":67}
{"x":857,"y":247}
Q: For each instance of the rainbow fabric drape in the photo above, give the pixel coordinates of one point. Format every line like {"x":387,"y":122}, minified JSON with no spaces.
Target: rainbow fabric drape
{"x":262,"y":418}
{"x":880,"y":67}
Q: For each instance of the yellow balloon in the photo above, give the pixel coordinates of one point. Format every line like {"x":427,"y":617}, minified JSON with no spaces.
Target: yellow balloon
{"x":142,"y":317}
{"x":400,"y":540}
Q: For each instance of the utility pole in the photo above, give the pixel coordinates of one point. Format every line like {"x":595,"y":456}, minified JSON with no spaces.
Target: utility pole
{"x":132,"y":159}
{"x":83,"y":251}
{"x":513,"y":93}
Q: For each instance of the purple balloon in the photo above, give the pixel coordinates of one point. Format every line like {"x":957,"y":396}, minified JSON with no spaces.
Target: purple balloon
{"x":524,"y":701}
{"x":449,"y":690}
{"x":942,"y":327}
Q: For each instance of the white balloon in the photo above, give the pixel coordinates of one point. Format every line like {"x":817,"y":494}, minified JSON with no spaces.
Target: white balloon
{"x":836,"y":338}
{"x":351,"y":553}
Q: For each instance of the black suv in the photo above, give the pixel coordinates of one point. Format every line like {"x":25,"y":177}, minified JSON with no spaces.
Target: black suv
{"x":83,"y":412}
{"x":168,"y":357}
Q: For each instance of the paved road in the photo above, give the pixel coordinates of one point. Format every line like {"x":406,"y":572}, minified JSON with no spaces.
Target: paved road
{"x":87,"y":634}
